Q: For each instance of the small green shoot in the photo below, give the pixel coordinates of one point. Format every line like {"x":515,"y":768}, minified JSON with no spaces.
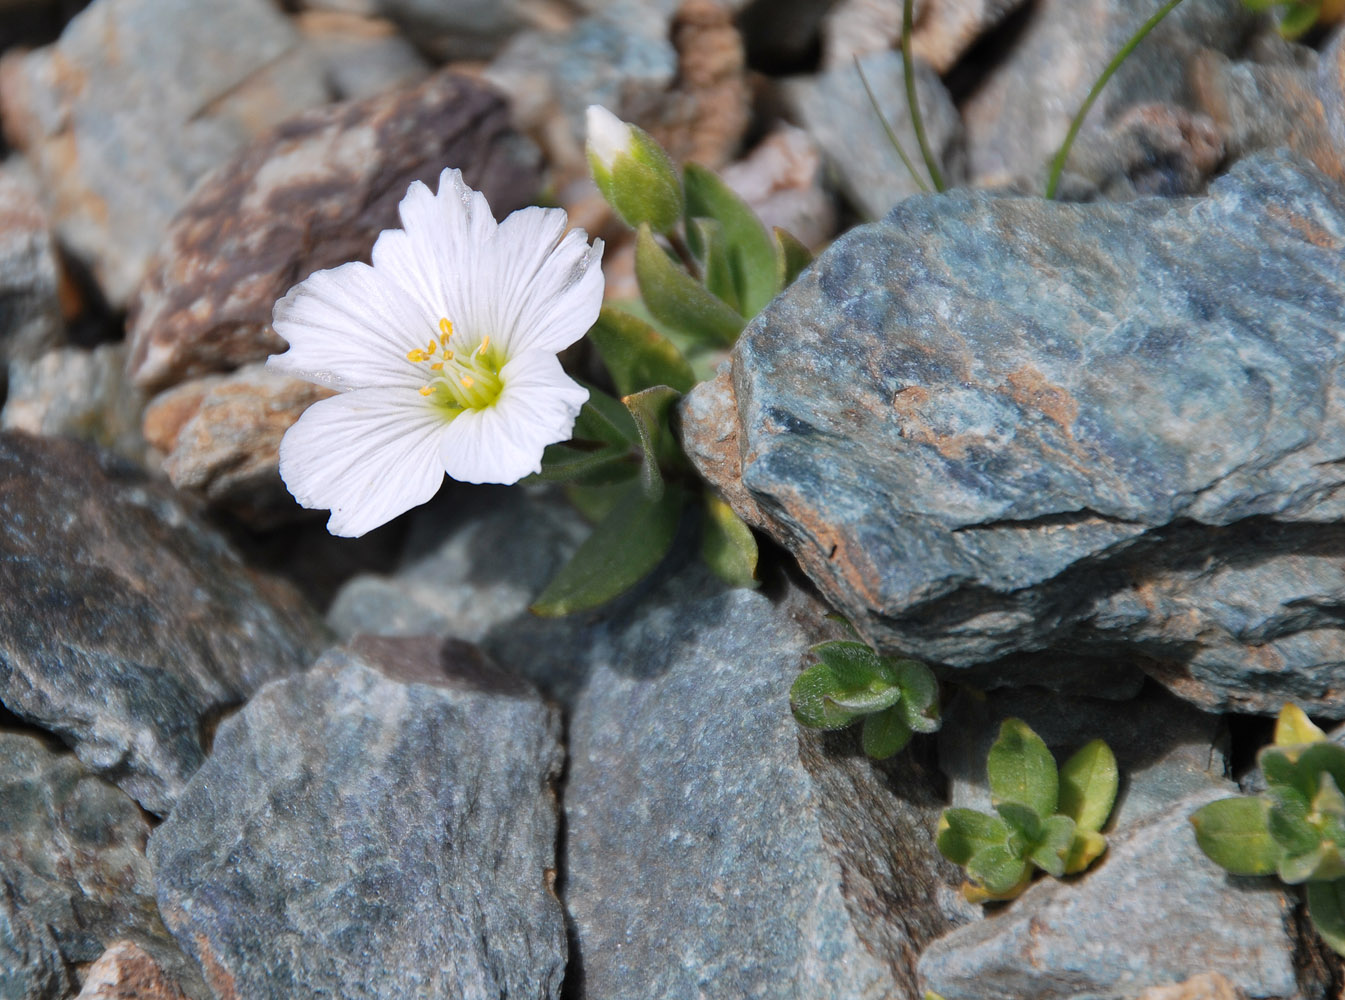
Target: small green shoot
{"x":912,"y":99}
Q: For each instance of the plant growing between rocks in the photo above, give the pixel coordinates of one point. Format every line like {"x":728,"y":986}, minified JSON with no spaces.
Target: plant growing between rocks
{"x":1296,"y":829}
{"x":1047,"y":819}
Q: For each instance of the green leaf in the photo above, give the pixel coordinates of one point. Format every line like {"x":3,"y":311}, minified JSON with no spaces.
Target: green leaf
{"x":1326,"y":906}
{"x":1087,"y":847}
{"x":919,"y":695}
{"x":622,"y":550}
{"x":708,"y":236}
{"x":562,"y":463}
{"x":791,"y":257}
{"x":1323,"y":863}
{"x":1233,"y":834}
{"x":997,"y":869}
{"x":965,"y":832}
{"x":637,"y":355}
{"x":1024,"y":823}
{"x":1299,"y":19}
{"x":727,"y":544}
{"x":604,"y":419}
{"x":677,"y":299}
{"x":885,"y":733}
{"x":1287,"y":822}
{"x":855,"y":663}
{"x":1293,"y":727}
{"x":1319,"y":759}
{"x":1279,"y":767}
{"x":1051,"y":849}
{"x":651,"y":409}
{"x":751,"y":251}
{"x":810,"y":698}
{"x":595,"y":502}
{"x":1021,"y":769}
{"x":1088,"y":784}
{"x":1328,"y":801}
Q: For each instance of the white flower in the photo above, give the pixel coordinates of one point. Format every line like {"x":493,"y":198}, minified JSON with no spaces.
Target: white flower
{"x":608,"y":136}
{"x":444,"y":351}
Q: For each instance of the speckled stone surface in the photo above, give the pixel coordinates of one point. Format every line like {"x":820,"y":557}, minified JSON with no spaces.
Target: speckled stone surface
{"x":992,"y":427}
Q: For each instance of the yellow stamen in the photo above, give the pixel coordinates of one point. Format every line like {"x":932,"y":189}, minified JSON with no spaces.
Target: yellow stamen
{"x":485,"y":342}
{"x":417,"y":356}
{"x":448,"y":355}
{"x":445,"y":329}
{"x":431,"y":348}
{"x":438,"y":366}
{"x":467,"y":381}
{"x":426,"y":390}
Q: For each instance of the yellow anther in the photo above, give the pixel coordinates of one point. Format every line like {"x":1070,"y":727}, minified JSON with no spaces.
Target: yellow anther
{"x":417,"y":356}
{"x":485,"y":342}
{"x":448,"y":355}
{"x":445,"y":329}
{"x":438,"y":366}
{"x":467,"y":381}
{"x":431,"y":348}
{"x":426,"y":390}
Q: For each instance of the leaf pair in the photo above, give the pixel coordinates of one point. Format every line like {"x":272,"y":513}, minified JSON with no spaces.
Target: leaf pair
{"x":849,"y":681}
{"x":1046,"y":819}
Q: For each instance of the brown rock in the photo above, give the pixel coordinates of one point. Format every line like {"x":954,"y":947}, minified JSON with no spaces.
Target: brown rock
{"x":221,"y":437}
{"x":1205,"y":986}
{"x":313,"y":194}
{"x":126,"y":972}
{"x":943,"y":29}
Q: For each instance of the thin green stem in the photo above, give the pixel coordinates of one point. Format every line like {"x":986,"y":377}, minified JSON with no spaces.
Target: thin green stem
{"x":1058,"y":164}
{"x":891,"y":135}
{"x":908,"y":66}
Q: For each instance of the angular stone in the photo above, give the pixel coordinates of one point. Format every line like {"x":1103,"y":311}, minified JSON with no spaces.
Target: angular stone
{"x":380,"y":826}
{"x":834,"y":109}
{"x":128,"y":625}
{"x":126,"y":972}
{"x":220,"y":436}
{"x":687,"y":772}
{"x":75,"y":876}
{"x":943,"y":29}
{"x":312,"y":195}
{"x":30,"y":309}
{"x":361,"y":56}
{"x":81,"y":393}
{"x":1017,"y":119}
{"x":134,"y":103}
{"x":1108,"y":432}
{"x":1153,"y":911}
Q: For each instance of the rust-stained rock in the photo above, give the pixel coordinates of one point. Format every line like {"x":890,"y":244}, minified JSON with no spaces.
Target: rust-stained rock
{"x":943,"y":29}
{"x":1203,"y":986}
{"x":220,"y":435}
{"x":313,"y":194}
{"x":126,"y":972}
{"x":136,"y":101}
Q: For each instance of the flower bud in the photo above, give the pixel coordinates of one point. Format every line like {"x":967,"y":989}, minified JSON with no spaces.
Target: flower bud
{"x":632,"y":171}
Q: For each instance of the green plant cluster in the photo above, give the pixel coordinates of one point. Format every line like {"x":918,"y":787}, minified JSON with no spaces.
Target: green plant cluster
{"x":1044,"y":819}
{"x":849,"y":682}
{"x":1298,"y":17}
{"x":711,"y":266}
{"x":1296,"y":830}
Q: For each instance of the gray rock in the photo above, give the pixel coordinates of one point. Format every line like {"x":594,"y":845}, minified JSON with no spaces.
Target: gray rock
{"x":381,"y":826}
{"x":128,"y":626}
{"x":835,"y":110}
{"x":714,"y":850}
{"x":73,"y":874}
{"x":79,"y":392}
{"x":992,"y":427}
{"x":1154,"y":911}
{"x":362,"y":56}
{"x":30,"y":310}
{"x":1017,"y":119}
{"x":943,"y":29}
{"x":135,"y":102}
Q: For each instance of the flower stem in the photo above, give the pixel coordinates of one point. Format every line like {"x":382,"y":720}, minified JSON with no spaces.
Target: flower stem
{"x":891,"y":135}
{"x":1058,"y":164}
{"x":908,"y":66}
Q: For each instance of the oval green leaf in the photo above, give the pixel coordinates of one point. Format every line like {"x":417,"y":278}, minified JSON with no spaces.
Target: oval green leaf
{"x":965,"y":832}
{"x":751,"y":251}
{"x":727,"y":544}
{"x":1088,"y":784}
{"x":636,"y":355}
{"x":1326,"y":906}
{"x":791,"y":257}
{"x":997,"y":869}
{"x":810,"y":699}
{"x":919,"y":695}
{"x":855,"y":663}
{"x":1233,"y":834}
{"x":885,"y":733}
{"x":676,"y":298}
{"x":1021,"y":769}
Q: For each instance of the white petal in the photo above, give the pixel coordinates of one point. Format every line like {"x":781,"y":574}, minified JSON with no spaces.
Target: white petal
{"x":366,"y":455}
{"x":503,"y":443}
{"x":350,"y":329}
{"x":607,"y":135}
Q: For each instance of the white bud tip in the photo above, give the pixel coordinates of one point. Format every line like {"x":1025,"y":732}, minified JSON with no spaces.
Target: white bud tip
{"x":608,"y":135}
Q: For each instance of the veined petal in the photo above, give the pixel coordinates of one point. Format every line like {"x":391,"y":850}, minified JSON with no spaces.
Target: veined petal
{"x":367,"y":455}
{"x":551,"y":281}
{"x":503,"y":443}
{"x":348,"y":328}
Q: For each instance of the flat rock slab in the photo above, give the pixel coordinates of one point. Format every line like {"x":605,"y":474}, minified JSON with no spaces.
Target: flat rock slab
{"x":381,"y":826}
{"x":997,"y":426}
{"x":74,"y":875}
{"x":128,"y":625}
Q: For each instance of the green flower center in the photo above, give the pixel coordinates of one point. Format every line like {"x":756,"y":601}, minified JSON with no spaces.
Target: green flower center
{"x":459,"y":380}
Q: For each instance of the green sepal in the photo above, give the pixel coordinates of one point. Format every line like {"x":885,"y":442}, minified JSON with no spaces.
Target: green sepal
{"x":713,"y":254}
{"x":997,"y":869}
{"x":963,"y":833}
{"x":751,"y":251}
{"x":641,"y":183}
{"x":636,"y":355}
{"x":1051,"y":850}
{"x":727,"y":544}
{"x":1326,"y":907}
{"x":1088,"y":784}
{"x":791,"y":257}
{"x":623,"y":549}
{"x":919,"y":695}
{"x":651,"y":409}
{"x":811,"y":702}
{"x":1021,"y":769}
{"x":675,"y":298}
{"x":885,"y":733}
{"x":1233,"y":834}
{"x":1323,"y":863}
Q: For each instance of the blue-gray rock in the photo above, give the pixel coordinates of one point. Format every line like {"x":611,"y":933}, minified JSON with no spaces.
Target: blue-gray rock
{"x":1018,"y":117}
{"x":128,"y":625}
{"x":138,"y":99}
{"x":30,"y":308}
{"x":711,"y":848}
{"x":383,"y":825}
{"x":993,"y":427}
{"x":73,"y":874}
{"x":835,"y":110}
{"x":1153,"y":911}
{"x":943,"y":29}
